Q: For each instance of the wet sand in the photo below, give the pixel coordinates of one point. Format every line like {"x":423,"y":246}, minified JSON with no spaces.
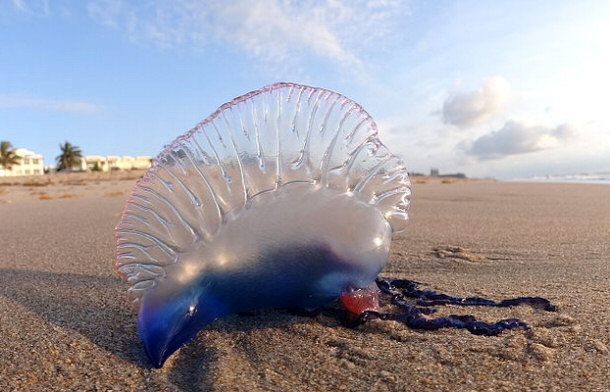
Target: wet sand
{"x":66,"y":324}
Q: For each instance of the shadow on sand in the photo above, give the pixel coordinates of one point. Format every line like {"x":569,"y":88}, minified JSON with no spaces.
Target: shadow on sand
{"x":93,"y":306}
{"x":96,"y":307}
{"x":194,"y":367}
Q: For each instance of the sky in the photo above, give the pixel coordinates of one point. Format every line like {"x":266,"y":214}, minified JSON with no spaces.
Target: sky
{"x":503,"y":89}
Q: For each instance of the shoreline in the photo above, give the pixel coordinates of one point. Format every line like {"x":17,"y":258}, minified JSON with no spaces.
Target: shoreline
{"x":79,"y":178}
{"x":583,"y":182}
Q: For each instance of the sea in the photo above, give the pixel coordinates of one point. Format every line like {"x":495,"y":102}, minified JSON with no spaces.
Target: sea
{"x":581,"y":178}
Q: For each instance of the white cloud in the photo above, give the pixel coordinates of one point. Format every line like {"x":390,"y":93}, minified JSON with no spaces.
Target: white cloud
{"x":59,"y":105}
{"x":470,"y":108}
{"x":19,"y":4}
{"x":517,"y":138}
{"x":270,"y":30}
{"x":40,"y":7}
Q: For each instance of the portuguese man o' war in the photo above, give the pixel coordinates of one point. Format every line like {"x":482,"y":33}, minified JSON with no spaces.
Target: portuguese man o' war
{"x":284,"y":197}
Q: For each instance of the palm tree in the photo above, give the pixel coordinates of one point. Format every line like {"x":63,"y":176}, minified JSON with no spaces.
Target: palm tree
{"x":8,"y":158}
{"x":69,"y":157}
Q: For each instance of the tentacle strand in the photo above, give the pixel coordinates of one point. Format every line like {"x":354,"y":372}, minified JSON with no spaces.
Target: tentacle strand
{"x":414,"y":315}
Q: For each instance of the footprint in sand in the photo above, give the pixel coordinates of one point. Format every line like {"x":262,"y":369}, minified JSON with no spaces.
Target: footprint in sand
{"x":458,"y":252}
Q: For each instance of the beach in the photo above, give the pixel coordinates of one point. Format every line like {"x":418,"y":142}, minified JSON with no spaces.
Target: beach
{"x":66,"y":323}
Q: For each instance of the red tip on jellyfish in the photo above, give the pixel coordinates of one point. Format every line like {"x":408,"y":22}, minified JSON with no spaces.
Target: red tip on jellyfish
{"x":361,"y":300}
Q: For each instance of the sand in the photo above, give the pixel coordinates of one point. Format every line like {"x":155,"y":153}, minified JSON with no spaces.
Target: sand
{"x":65,"y":322}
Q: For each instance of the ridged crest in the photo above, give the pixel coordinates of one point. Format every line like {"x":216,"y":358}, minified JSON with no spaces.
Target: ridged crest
{"x":257,"y":143}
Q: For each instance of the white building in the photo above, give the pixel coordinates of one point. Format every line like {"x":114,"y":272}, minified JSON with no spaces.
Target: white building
{"x":29,"y":164}
{"x":111,"y":162}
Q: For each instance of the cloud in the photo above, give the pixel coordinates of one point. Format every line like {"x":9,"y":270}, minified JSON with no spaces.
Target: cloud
{"x":470,"y":108}
{"x":59,"y":105}
{"x":517,"y":138}
{"x":38,"y":7}
{"x":270,"y":30}
{"x":19,"y":4}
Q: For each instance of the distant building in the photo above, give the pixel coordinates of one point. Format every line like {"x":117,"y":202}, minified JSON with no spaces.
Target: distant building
{"x":436,"y":173}
{"x":111,"y":162}
{"x":92,"y":162}
{"x":29,"y":164}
